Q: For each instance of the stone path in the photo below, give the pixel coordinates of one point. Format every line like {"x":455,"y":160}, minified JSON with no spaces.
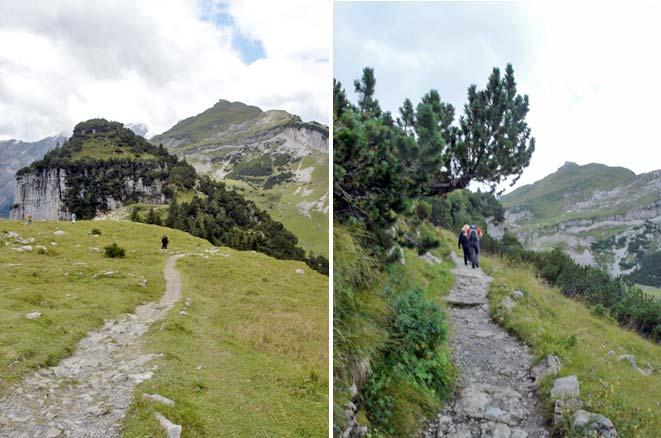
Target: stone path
{"x":496,"y":397}
{"x":88,"y":394}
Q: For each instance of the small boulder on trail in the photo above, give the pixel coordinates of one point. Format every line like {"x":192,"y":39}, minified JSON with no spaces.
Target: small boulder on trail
{"x":589,"y":424}
{"x":565,"y":387}
{"x":550,"y":365}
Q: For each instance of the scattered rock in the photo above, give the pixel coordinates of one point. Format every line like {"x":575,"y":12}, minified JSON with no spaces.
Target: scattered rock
{"x":632,"y":360}
{"x":94,"y":249}
{"x":183,"y":313}
{"x":53,"y":243}
{"x":173,"y":430}
{"x":517,"y":294}
{"x":59,"y":233}
{"x":33,"y":315}
{"x":97,"y":411}
{"x":199,"y":367}
{"x":158,"y":399}
{"x":12,"y":235}
{"x":550,"y":365}
{"x":23,"y":241}
{"x":397,"y":253}
{"x":588,"y":424}
{"x":564,"y":408}
{"x":300,"y":271}
{"x":143,"y":283}
{"x":565,"y":387}
{"x":24,"y":248}
{"x":105,"y":274}
{"x":188,"y":302}
{"x":430,"y":258}
{"x":507,"y":303}
{"x":53,"y":433}
{"x":41,"y":249}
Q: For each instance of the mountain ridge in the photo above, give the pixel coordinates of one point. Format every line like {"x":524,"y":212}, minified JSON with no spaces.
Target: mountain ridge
{"x":601,"y":215}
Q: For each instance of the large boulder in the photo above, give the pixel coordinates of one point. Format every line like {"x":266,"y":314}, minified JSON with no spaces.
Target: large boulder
{"x":550,"y":365}
{"x":565,"y":387}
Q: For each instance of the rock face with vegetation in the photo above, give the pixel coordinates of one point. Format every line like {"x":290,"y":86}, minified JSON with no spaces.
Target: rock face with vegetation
{"x":273,"y":157}
{"x":101,"y":167}
{"x":14,"y":155}
{"x":602,"y":216}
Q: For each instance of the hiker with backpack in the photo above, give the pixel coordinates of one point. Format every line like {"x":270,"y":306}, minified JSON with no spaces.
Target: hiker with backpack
{"x":473,"y":235}
{"x":164,"y":243}
{"x":463,"y":243}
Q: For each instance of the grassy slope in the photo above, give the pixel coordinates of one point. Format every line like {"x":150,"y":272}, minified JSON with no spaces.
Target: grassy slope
{"x":363,"y":333}
{"x":546,"y":320}
{"x":222,"y":116}
{"x":59,"y":284}
{"x":282,"y":203}
{"x":259,"y":332}
{"x":546,"y":198}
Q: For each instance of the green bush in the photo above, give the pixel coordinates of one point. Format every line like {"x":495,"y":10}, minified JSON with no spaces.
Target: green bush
{"x":95,"y":232}
{"x":114,"y":251}
{"x":423,"y":210}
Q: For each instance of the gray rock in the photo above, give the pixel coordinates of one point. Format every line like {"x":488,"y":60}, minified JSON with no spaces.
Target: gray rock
{"x":188,"y":302}
{"x":24,"y":248}
{"x":398,"y":253}
{"x":550,"y":365}
{"x":430,"y":258}
{"x":173,"y":430}
{"x":33,"y":315}
{"x":59,"y":233}
{"x":507,"y":303}
{"x":632,"y":360}
{"x":158,"y":399}
{"x":299,"y":271}
{"x":12,"y":235}
{"x":517,"y":294}
{"x":588,"y":424}
{"x":565,"y":387}
{"x":41,"y":249}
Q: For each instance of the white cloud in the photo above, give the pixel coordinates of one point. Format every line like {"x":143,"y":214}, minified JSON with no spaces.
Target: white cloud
{"x":153,"y":61}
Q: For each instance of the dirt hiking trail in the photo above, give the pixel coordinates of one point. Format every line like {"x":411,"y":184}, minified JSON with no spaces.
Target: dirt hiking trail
{"x":496,"y":397}
{"x":88,"y":394}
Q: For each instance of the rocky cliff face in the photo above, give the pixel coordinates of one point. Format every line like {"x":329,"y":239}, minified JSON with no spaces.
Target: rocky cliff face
{"x":41,"y":192}
{"x":15,"y":154}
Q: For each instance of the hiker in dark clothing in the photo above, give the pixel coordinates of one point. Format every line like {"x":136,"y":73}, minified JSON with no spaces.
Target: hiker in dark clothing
{"x":474,"y":234}
{"x":164,"y":243}
{"x":463,"y":243}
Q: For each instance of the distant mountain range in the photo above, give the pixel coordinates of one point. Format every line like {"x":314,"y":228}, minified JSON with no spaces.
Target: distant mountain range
{"x":601,"y":215}
{"x":14,"y":155}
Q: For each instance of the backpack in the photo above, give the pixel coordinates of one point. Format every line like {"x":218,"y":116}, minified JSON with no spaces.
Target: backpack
{"x":472,"y":235}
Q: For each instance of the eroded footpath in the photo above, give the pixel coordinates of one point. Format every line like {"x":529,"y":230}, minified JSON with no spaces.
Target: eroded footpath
{"x":88,"y":394}
{"x":497,"y":396}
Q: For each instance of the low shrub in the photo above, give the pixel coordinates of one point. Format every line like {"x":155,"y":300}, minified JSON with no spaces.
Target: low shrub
{"x":114,"y":251}
{"x":95,"y":232}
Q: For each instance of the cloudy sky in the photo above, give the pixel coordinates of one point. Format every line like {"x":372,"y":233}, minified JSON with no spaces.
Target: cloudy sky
{"x":592,"y":73}
{"x":158,"y":61}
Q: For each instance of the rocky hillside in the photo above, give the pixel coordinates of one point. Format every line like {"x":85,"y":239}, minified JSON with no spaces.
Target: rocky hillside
{"x":273,"y":157}
{"x":14,"y":155}
{"x":601,"y":215}
{"x":101,"y":167}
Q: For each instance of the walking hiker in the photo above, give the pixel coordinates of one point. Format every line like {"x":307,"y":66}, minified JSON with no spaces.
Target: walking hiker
{"x":73,"y":218}
{"x":29,"y":218}
{"x":463,"y":243}
{"x":164,"y":243}
{"x":474,"y":234}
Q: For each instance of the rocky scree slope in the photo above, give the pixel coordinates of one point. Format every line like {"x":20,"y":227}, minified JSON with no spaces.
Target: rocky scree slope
{"x":277,"y":160}
{"x":14,"y":155}
{"x":600,"y":215}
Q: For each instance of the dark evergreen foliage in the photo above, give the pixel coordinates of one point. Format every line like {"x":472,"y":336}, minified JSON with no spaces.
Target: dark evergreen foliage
{"x":627,"y":303}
